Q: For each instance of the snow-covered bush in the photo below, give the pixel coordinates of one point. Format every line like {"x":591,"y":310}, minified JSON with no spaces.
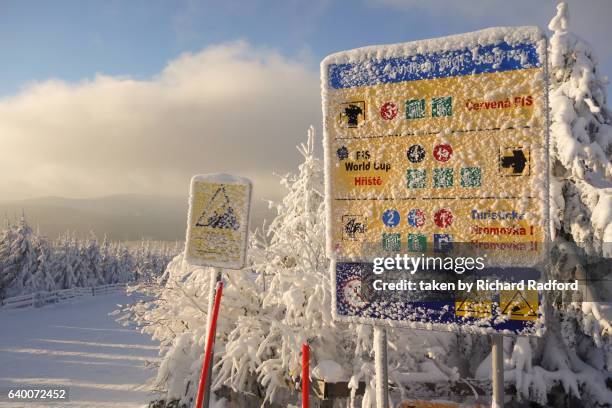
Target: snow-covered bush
{"x":282,"y":300}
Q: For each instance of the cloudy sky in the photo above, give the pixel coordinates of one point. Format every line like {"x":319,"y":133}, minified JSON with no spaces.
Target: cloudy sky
{"x":109,"y":97}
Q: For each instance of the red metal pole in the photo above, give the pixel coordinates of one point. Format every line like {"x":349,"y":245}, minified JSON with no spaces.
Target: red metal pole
{"x":305,"y":375}
{"x":209,"y":346}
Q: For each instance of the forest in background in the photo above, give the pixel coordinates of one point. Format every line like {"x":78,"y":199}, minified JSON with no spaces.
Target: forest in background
{"x":30,"y":262}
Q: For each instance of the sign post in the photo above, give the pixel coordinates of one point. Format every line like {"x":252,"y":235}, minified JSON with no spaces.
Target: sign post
{"x":215,"y":280}
{"x":305,"y":375}
{"x":203,"y":396}
{"x":381,"y":365}
{"x":217,"y":228}
{"x":497,"y":369}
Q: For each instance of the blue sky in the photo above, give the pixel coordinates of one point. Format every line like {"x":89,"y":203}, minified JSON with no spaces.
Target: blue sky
{"x":73,"y":40}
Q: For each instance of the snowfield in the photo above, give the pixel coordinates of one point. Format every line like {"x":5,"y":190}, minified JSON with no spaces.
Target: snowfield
{"x":78,"y":345}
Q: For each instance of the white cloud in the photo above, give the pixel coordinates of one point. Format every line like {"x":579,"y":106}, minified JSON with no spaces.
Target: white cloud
{"x":228,"y":108}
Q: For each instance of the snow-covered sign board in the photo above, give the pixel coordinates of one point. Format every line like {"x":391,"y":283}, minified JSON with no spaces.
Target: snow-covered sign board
{"x":218,"y":221}
{"x":434,"y":146}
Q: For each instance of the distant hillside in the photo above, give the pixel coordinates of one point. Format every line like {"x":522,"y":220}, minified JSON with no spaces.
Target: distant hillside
{"x":127,"y":217}
{"x":120,"y":217}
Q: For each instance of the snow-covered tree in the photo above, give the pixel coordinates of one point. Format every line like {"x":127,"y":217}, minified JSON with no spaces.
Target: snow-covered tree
{"x":269,"y":310}
{"x":296,"y":306}
{"x":25,"y":267}
{"x":576,"y":351}
{"x":41,"y":279}
{"x":7,"y":235}
{"x":92,"y":261}
{"x":581,"y":138}
{"x":64,"y":262}
{"x":126,"y":264}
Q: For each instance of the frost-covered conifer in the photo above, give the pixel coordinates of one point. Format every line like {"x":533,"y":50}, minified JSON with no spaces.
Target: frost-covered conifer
{"x":92,"y":260}
{"x":6,"y":276}
{"x":41,"y":278}
{"x":23,"y":261}
{"x":575,"y":351}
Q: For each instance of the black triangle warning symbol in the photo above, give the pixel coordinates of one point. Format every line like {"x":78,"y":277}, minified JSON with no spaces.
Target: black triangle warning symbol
{"x":518,"y":305}
{"x":218,"y":213}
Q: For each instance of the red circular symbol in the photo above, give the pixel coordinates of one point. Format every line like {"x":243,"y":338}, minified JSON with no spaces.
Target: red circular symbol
{"x":442,"y":152}
{"x":388,"y":111}
{"x":443,"y":218}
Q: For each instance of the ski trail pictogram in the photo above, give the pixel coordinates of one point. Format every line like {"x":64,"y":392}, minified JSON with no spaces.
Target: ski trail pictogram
{"x":223,"y":215}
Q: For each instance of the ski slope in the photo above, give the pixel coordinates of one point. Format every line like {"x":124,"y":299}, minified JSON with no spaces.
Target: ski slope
{"x":78,"y":345}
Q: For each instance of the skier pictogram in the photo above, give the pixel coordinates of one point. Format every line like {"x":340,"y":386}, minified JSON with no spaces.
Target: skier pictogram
{"x":218,"y":213}
{"x":354,"y":227}
{"x":352,"y":114}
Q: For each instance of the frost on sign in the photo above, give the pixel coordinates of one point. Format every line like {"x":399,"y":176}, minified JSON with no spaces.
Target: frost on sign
{"x":433,"y":147}
{"x":218,"y":221}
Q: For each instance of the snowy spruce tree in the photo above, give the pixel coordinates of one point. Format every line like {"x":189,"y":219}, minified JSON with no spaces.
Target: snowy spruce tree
{"x":92,"y":261}
{"x":289,"y":258}
{"x":25,"y":263}
{"x":574,"y":358}
{"x":7,"y":235}
{"x":64,"y":263}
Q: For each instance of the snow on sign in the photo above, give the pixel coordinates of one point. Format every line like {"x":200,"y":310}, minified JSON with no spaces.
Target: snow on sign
{"x":431,"y":147}
{"x":434,"y":404}
{"x":218,"y":221}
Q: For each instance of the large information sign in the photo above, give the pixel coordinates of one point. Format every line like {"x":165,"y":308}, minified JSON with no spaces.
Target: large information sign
{"x":218,"y":221}
{"x":437,"y":147}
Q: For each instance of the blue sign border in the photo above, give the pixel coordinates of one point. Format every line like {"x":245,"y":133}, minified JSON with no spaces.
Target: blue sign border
{"x":498,"y":57}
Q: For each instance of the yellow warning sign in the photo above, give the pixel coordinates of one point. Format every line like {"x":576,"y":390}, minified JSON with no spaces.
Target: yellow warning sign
{"x":520,"y":305}
{"x":476,"y":305}
{"x":218,"y":221}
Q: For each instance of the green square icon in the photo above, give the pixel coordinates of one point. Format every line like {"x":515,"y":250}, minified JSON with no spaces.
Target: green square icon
{"x":391,"y":241}
{"x":471,"y":177}
{"x":417,"y":178}
{"x":443,"y":178}
{"x":442,"y":106}
{"x":415,"y":109}
{"x":417,"y":242}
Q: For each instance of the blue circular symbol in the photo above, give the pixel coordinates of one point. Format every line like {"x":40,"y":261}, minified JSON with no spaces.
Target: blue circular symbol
{"x":391,"y":218}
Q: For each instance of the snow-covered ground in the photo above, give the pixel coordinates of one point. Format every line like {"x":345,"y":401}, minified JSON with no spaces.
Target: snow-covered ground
{"x":78,"y":345}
